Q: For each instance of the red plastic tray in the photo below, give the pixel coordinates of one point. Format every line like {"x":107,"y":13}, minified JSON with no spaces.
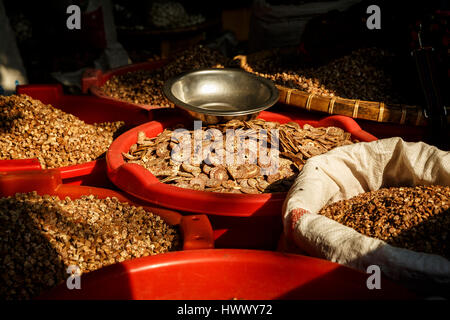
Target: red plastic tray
{"x":93,"y":79}
{"x":196,"y":230}
{"x":89,"y":109}
{"x":255,"y":219}
{"x":226,"y":274}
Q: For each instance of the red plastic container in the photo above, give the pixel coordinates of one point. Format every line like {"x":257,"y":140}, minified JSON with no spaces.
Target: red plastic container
{"x":93,"y":79}
{"x":240,"y":221}
{"x":226,"y":274}
{"x":196,"y":230}
{"x":89,"y":109}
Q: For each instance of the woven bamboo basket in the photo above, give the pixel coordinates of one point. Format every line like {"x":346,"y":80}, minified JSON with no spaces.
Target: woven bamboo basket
{"x":358,"y":109}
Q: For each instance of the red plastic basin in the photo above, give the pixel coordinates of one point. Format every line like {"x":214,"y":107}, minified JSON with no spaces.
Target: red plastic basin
{"x":89,"y":109}
{"x":196,"y":230}
{"x":240,"y":221}
{"x":94,"y":79}
{"x":223,"y":274}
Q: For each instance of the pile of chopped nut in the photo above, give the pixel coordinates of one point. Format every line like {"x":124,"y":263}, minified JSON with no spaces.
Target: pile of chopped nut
{"x":41,"y":236}
{"x":416,"y":218}
{"x":145,"y":86}
{"x":363,"y":74}
{"x":31,"y":129}
{"x":268,"y":165}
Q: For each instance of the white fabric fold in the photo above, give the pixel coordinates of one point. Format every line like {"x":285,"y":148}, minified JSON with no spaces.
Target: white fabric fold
{"x":354,"y":169}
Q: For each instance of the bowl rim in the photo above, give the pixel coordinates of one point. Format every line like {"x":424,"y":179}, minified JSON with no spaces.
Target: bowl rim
{"x":274,"y":93}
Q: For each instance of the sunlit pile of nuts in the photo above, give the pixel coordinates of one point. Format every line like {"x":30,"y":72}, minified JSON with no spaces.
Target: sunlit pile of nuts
{"x":31,"y":129}
{"x":416,"y":218}
{"x":145,"y":86}
{"x":41,"y":236}
{"x":363,"y":74}
{"x":255,"y":172}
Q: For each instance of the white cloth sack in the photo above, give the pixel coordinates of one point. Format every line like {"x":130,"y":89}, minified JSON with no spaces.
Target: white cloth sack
{"x":11,"y":65}
{"x":346,"y":172}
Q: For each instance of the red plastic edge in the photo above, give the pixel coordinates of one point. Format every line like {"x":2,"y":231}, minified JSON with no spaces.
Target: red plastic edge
{"x":67,"y":173}
{"x":79,"y":170}
{"x":41,"y":181}
{"x":349,"y":125}
{"x":196,"y":233}
{"x":43,"y":92}
{"x":139,"y":182}
{"x":19,"y":165}
{"x":305,"y":278}
{"x":193,"y":229}
{"x":90,"y":78}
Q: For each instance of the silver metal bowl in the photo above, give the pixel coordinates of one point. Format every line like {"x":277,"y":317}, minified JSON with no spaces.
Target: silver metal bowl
{"x":219,"y":95}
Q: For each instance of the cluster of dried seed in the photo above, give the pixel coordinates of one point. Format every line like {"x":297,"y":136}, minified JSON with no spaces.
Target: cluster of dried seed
{"x":196,"y":57}
{"x":172,"y":14}
{"x":416,"y":218}
{"x":40,"y":236}
{"x":208,"y":170}
{"x":145,"y":86}
{"x":363,"y":74}
{"x":31,"y":129}
{"x":141,"y":87}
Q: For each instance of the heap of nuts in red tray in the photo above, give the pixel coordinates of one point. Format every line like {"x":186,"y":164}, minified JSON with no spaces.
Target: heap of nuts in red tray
{"x":32,"y":129}
{"x":145,"y":86}
{"x":41,"y":236}
{"x":252,"y":175}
